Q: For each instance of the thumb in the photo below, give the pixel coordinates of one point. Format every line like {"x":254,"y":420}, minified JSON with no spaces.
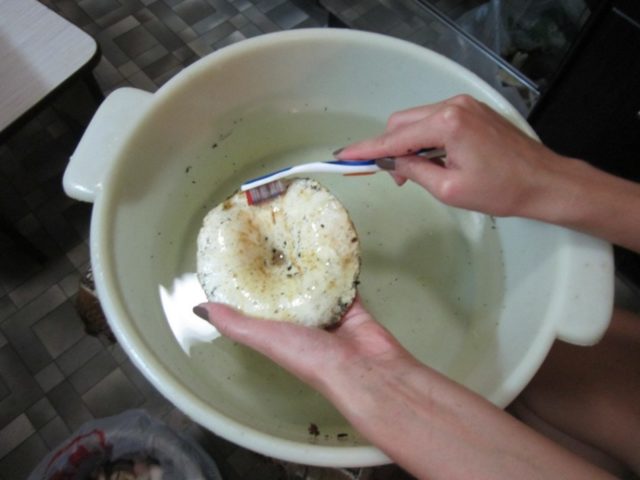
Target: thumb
{"x":280,"y":341}
{"x":229,"y":321}
{"x":253,"y":332}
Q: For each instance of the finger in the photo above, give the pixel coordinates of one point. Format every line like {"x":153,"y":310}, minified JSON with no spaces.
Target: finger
{"x":427,"y":133}
{"x":411,"y":115}
{"x":259,"y":334}
{"x":254,"y":332}
{"x":355,"y":315}
{"x":399,"y":179}
{"x":415,"y":114}
{"x":406,"y":139}
{"x":440,"y":129}
{"x":424,"y":172}
{"x":304,"y":351}
{"x":382,"y":145}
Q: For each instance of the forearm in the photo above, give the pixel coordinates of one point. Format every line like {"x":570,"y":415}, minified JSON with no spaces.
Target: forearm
{"x":436,"y":429}
{"x":574,"y":194}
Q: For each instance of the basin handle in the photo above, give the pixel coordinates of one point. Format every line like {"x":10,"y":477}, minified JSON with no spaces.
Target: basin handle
{"x":108,"y":130}
{"x":583,"y":321}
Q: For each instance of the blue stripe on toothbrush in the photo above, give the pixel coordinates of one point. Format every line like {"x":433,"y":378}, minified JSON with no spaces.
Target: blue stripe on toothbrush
{"x":352,"y":163}
{"x":355,"y":163}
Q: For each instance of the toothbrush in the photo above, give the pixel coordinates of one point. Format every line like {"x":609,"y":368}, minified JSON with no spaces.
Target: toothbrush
{"x":268,"y":186}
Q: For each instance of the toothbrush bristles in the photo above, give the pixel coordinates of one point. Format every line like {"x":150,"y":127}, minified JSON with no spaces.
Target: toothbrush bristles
{"x":265,"y":192}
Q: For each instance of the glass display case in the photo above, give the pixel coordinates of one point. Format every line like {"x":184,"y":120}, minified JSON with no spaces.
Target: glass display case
{"x":514,"y":45}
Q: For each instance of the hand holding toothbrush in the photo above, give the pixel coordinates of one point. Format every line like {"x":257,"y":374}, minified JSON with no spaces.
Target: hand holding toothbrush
{"x":491,"y":166}
{"x":495,"y":168}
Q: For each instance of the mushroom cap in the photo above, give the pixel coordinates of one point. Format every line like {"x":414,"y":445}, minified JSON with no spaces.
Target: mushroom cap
{"x":293,"y":258}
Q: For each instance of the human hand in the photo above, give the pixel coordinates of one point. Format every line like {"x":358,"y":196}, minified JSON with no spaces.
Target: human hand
{"x":400,"y":405}
{"x":491,"y":166}
{"x":325,"y":359}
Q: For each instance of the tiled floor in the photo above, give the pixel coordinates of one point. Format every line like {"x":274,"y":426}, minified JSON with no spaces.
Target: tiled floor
{"x":145,"y":42}
{"x":53,"y":376}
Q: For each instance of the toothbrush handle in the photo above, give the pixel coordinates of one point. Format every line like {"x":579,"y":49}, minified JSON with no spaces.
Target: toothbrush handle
{"x":429,"y":153}
{"x":388,"y":163}
{"x":433,"y":152}
{"x":341,"y":166}
{"x":354,"y":167}
{"x":361,"y":166}
{"x":336,"y":166}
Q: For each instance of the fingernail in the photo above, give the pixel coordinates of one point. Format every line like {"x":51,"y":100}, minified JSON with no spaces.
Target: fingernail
{"x":386,"y":163}
{"x":337,"y":152}
{"x":202,"y":312}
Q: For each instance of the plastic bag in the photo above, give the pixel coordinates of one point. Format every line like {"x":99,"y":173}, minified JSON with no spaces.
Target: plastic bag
{"x":547,"y":26}
{"x":132,"y":434}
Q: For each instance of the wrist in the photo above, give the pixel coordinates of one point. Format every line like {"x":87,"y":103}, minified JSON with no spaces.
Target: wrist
{"x":556,"y":191}
{"x":364,"y":389}
{"x":392,"y":402}
{"x":574,"y":194}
